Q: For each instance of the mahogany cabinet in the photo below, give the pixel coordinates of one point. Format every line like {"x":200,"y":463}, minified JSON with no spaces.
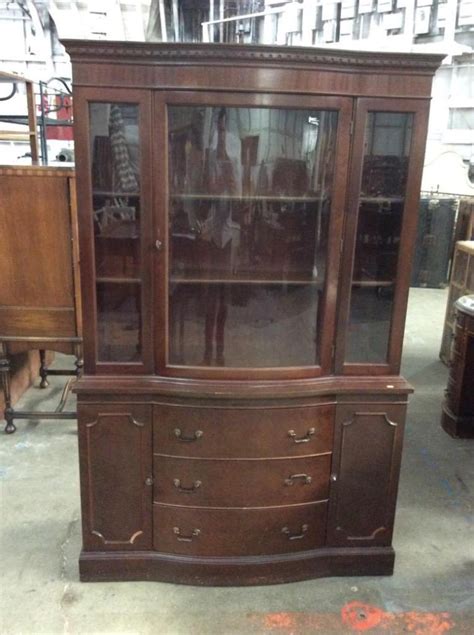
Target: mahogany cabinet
{"x":457,"y":417}
{"x":247,"y":222}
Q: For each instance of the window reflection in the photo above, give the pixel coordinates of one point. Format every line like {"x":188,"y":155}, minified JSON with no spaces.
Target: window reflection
{"x":249,"y":207}
{"x":381,"y":203}
{"x":116,"y":199}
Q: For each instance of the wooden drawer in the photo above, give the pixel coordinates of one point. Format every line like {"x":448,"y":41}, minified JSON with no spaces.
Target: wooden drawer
{"x":238,"y":532}
{"x":241,"y":482}
{"x":242,"y":432}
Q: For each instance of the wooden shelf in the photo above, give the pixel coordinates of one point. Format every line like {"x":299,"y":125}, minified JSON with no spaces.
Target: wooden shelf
{"x":381,"y":199}
{"x":248,"y":198}
{"x":373,"y":283}
{"x":244,"y":280}
{"x":121,"y":194}
{"x":118,"y":280}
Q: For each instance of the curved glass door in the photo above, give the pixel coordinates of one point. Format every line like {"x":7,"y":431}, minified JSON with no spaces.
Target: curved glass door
{"x":249,"y":200}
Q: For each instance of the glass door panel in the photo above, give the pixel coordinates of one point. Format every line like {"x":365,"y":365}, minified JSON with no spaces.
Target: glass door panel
{"x":249,"y":205}
{"x":116,"y":201}
{"x":382,"y":198}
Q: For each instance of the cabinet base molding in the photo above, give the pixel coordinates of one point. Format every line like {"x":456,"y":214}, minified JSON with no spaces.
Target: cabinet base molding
{"x":251,"y":570}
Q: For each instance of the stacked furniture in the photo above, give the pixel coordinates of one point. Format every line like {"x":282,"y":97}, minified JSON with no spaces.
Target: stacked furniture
{"x":247,"y":222}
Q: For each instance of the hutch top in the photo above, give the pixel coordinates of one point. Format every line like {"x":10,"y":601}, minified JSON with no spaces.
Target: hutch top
{"x":247,"y":222}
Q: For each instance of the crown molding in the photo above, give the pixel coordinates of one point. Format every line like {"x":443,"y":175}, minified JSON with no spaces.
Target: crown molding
{"x":235,"y":54}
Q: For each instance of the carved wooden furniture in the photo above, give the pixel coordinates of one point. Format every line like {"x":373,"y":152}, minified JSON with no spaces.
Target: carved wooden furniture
{"x":458,"y":409}
{"x":39,"y":301}
{"x":242,"y":215}
{"x":461,"y":283}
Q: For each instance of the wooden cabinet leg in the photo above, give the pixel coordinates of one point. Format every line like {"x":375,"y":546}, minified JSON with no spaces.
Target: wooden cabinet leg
{"x":43,"y":370}
{"x":5,"y":378}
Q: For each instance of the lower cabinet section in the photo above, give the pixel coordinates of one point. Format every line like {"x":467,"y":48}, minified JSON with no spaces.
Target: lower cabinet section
{"x":222,"y":532}
{"x":166,"y":496}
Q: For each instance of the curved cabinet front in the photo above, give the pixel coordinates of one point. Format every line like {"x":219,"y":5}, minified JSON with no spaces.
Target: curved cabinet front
{"x":193,"y":491}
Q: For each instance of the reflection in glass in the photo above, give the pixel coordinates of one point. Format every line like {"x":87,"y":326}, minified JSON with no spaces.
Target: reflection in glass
{"x":249,"y":212}
{"x":381,"y":202}
{"x":118,"y":322}
{"x":244,"y":325}
{"x":116,"y":218}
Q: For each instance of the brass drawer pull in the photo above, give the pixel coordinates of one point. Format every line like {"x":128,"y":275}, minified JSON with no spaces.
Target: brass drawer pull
{"x":291,"y":479}
{"x":181,"y":538}
{"x":186,"y":490}
{"x":286,"y":530}
{"x":311,"y":432}
{"x":178,"y":433}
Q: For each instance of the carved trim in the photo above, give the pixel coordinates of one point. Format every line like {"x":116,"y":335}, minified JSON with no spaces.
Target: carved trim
{"x":130,"y":541}
{"x":371,"y":537}
{"x":232,"y":54}
{"x":370,"y":414}
{"x":103,"y":415}
{"x":392,"y":424}
{"x":92,"y":502}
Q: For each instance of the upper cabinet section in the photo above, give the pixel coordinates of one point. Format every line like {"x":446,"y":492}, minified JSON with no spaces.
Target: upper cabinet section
{"x":246,"y":212}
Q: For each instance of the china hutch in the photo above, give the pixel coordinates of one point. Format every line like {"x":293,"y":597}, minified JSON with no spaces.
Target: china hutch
{"x":247,"y":222}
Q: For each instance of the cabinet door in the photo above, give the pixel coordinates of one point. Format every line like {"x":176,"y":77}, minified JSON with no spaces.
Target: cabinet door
{"x":116,"y":476}
{"x":364,"y":481}
{"x":114,"y":195}
{"x":249,"y":239}
{"x":382,"y":210}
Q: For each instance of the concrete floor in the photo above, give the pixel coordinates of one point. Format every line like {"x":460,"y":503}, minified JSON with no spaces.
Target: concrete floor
{"x":431,"y":592}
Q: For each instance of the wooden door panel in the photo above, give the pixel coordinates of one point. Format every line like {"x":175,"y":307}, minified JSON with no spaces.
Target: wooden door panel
{"x":116,"y":460}
{"x":365,"y":474}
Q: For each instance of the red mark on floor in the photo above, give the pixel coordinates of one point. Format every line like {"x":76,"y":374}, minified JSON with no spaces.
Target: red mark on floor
{"x":279,"y":621}
{"x":356,"y":617}
{"x":361,"y":617}
{"x":428,"y":623}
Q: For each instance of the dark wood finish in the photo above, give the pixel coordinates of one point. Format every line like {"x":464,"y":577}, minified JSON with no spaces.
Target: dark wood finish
{"x":261,"y":472}
{"x":252,"y":69}
{"x":458,"y":409}
{"x":243,"y":432}
{"x":117,"y":492}
{"x":240,"y":482}
{"x":365,"y":471}
{"x":238,"y":532}
{"x":100,"y":566}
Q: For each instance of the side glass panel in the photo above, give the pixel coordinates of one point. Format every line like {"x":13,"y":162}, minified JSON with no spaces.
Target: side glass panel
{"x":381,"y":203}
{"x":116,"y":207}
{"x":249,"y":205}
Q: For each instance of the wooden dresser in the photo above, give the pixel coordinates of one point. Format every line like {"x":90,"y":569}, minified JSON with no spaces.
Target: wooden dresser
{"x":242,"y":211}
